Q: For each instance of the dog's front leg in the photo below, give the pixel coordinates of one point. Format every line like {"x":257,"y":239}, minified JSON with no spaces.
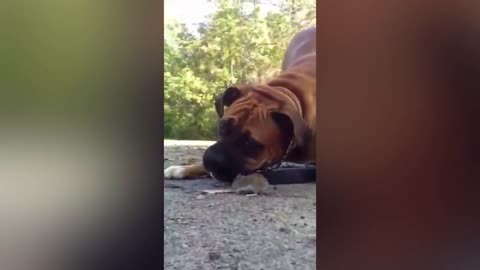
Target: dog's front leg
{"x":185,"y":171}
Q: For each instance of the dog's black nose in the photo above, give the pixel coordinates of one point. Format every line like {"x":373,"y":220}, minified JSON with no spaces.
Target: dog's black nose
{"x":220,"y":163}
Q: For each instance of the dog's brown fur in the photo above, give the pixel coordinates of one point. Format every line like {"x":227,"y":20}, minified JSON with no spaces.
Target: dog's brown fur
{"x":292,"y":92}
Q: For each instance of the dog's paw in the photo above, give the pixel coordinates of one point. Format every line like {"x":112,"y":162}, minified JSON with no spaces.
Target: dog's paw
{"x":175,"y":172}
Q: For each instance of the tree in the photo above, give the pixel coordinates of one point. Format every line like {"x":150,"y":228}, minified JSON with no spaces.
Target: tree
{"x":232,"y":46}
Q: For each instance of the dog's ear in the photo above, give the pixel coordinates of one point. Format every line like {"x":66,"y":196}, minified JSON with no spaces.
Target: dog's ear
{"x":291,"y":122}
{"x":227,"y":98}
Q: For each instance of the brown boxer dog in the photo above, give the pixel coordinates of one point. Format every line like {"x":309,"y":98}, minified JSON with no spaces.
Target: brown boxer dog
{"x":265,"y":123}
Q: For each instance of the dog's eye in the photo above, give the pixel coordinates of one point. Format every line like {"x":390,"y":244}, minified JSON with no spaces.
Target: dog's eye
{"x":251,"y":147}
{"x":248,"y":142}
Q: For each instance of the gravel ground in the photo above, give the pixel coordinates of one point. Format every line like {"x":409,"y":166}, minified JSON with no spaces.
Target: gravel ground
{"x":232,"y":231}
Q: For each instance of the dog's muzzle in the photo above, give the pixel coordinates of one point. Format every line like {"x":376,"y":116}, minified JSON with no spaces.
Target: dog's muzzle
{"x":221,"y":163}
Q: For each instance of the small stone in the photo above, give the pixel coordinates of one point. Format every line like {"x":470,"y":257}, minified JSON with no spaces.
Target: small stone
{"x":305,"y":224}
{"x":284,"y":230}
{"x":213,"y":256}
{"x":200,"y":197}
{"x":254,"y":219}
{"x":302,"y":217}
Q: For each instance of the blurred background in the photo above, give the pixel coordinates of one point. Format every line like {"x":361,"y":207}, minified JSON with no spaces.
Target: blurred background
{"x":212,"y":44}
{"x":75,"y":78}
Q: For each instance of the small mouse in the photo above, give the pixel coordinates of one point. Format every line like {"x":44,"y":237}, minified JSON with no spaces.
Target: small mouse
{"x":254,"y":183}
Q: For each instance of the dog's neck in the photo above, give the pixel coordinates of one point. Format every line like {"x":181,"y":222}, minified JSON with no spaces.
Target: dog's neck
{"x":295,"y":87}
{"x":291,"y":97}
{"x":299,"y":84}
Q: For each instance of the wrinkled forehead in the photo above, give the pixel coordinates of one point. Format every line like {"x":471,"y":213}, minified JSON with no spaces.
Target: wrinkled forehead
{"x":250,"y":106}
{"x":252,"y":120}
{"x":242,"y":106}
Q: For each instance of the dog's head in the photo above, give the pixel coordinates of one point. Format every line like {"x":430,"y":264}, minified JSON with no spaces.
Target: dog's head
{"x":255,"y":130}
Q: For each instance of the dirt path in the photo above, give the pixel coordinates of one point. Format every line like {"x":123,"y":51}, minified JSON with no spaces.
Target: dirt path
{"x":231,"y":231}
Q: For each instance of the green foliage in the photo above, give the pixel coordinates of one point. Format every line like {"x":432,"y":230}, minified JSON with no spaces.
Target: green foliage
{"x":234,"y":45}
{"x":61,"y":65}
